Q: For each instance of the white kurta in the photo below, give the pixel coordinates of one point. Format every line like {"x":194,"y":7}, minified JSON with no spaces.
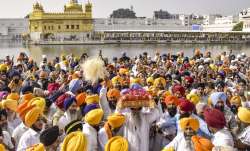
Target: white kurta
{"x":223,"y":138}
{"x":179,"y":143}
{"x":18,"y":132}
{"x":244,"y":136}
{"x":7,"y":139}
{"x":102,"y":138}
{"x":29,"y":138}
{"x":136,"y":128}
{"x":91,"y":135}
{"x":104,"y":103}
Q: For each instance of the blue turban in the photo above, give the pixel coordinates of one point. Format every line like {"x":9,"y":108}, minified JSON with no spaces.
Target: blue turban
{"x":68,"y":102}
{"x":75,"y":85}
{"x":89,"y":107}
{"x":136,"y":86}
{"x":218,"y":96}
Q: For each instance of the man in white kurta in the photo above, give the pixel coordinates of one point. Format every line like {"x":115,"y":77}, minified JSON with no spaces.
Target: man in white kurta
{"x":91,"y":134}
{"x":137,"y":126}
{"x":18,"y":132}
{"x":29,"y":138}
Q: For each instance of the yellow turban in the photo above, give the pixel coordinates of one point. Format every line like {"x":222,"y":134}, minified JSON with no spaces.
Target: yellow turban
{"x":202,"y":144}
{"x":117,"y":143}
{"x":168,"y":149}
{"x":92,"y":99}
{"x":192,"y":122}
{"x":38,"y":101}
{"x":32,"y":116}
{"x":158,"y":81}
{"x":37,"y":147}
{"x":194,"y":98}
{"x":150,"y":80}
{"x":244,"y":114}
{"x":236,"y":100}
{"x":13,"y":96}
{"x":116,"y":80}
{"x":3,"y":67}
{"x":10,"y":104}
{"x":136,"y":80}
{"x":94,"y":117}
{"x":75,"y":141}
{"x":123,"y":71}
{"x":116,"y":120}
{"x":2,"y":148}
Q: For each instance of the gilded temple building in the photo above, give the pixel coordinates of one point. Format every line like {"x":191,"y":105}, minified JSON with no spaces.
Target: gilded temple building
{"x":75,"y":23}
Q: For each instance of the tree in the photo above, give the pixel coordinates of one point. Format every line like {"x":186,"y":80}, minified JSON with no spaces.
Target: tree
{"x":123,"y":13}
{"x":238,"y":27}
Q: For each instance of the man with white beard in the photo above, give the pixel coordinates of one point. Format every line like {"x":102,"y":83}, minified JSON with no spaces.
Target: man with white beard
{"x":71,"y":112}
{"x":137,"y":127}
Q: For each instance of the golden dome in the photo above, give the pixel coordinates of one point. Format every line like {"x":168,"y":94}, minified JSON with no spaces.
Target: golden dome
{"x":73,"y":5}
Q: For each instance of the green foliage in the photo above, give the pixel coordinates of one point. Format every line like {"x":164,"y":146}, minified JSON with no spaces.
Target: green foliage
{"x":238,"y":27}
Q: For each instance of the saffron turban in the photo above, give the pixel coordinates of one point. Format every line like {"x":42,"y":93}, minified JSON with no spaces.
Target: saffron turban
{"x":178,"y":88}
{"x":94,"y":117}
{"x":214,"y":118}
{"x":2,"y":148}
{"x":116,"y":120}
{"x":236,"y":100}
{"x":172,"y":100}
{"x":90,"y":99}
{"x":90,"y":107}
{"x":218,"y":96}
{"x":192,"y":122}
{"x":32,"y":116}
{"x":68,"y":102}
{"x":75,"y":85}
{"x":80,"y":99}
{"x":36,"y":147}
{"x":244,"y":114}
{"x":186,"y":105}
{"x":13,"y":96}
{"x":136,"y":80}
{"x":194,"y":98}
{"x":160,"y":81}
{"x":53,"y":87}
{"x":201,"y":144}
{"x":113,"y":93}
{"x":23,"y":109}
{"x":9,"y":104}
{"x":117,"y":143}
{"x":75,"y":141}
{"x":28,"y":97}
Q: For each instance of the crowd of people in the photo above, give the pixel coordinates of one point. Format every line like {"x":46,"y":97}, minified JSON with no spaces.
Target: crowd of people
{"x":165,"y":102}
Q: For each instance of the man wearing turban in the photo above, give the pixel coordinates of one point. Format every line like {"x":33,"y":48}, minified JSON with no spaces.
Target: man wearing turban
{"x":218,"y":100}
{"x":166,"y":125}
{"x":216,"y":122}
{"x":243,"y":142}
{"x":92,"y":120}
{"x":113,"y":96}
{"x":111,"y":128}
{"x":178,"y":91}
{"x":188,"y":140}
{"x":76,"y":141}
{"x":34,"y":121}
{"x":117,"y":143}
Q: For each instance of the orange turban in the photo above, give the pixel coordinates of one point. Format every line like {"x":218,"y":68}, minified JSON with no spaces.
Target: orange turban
{"x":28,"y":97}
{"x":80,"y":99}
{"x":113,"y":93}
{"x":236,"y":100}
{"x":202,"y":144}
{"x":192,"y":122}
{"x":172,"y":100}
